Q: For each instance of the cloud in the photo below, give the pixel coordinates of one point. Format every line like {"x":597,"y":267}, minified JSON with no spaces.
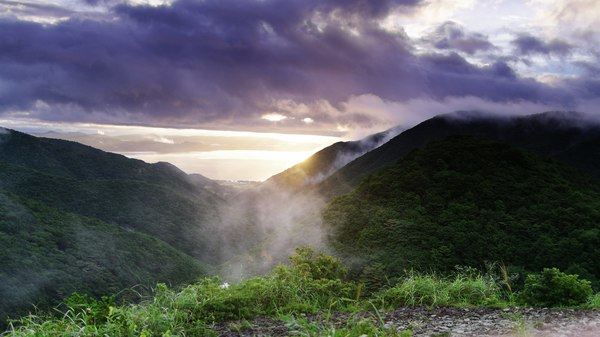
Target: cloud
{"x":452,"y":36}
{"x":227,"y":63}
{"x":526,"y":44}
{"x":42,"y":13}
{"x":575,"y":19}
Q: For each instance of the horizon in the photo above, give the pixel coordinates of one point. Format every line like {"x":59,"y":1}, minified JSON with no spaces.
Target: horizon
{"x":201,"y":162}
{"x":242,"y":91}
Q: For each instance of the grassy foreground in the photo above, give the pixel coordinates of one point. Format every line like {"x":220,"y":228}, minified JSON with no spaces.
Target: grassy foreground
{"x":312,"y":284}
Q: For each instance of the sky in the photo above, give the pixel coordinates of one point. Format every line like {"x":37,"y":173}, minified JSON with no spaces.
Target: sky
{"x":242,"y":89}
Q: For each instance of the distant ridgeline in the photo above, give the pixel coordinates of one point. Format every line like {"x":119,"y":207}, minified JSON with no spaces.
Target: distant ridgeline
{"x":460,"y":189}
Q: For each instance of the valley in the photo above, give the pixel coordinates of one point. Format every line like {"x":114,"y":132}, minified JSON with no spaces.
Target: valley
{"x":467,"y":194}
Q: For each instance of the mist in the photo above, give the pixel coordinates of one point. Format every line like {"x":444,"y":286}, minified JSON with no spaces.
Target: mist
{"x":360,"y":147}
{"x":261,"y":227}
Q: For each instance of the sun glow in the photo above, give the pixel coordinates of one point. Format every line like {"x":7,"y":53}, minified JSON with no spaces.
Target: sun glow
{"x":229,"y":165}
{"x":217,"y":154}
{"x":274,"y":117}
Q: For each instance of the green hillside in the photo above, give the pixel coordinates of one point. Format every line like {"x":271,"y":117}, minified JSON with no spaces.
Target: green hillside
{"x":46,"y":254}
{"x":568,"y":137}
{"x":74,"y":218}
{"x":327,"y":161}
{"x":464,"y":201}
{"x":155,"y":199}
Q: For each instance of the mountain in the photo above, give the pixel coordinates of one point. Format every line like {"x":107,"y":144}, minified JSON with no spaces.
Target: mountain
{"x":327,"y":161}
{"x":46,"y":254}
{"x":155,"y":199}
{"x":74,"y":218}
{"x":568,"y":137}
{"x":467,"y":201}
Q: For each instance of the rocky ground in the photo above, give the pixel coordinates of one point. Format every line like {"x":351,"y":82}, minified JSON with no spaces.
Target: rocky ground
{"x":445,"y":322}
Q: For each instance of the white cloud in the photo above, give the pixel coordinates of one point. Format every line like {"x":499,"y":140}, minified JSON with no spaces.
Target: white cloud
{"x":573,"y":18}
{"x":163,"y":140}
{"x":274,"y":117}
{"x":412,"y":112}
{"x":150,"y":2}
{"x":416,"y":24}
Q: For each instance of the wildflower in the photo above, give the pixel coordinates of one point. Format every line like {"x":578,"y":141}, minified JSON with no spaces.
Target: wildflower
{"x":224,"y":285}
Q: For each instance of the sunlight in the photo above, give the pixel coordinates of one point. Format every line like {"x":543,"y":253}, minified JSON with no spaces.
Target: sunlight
{"x":217,"y":154}
{"x":252,"y":165}
{"x":274,"y":117}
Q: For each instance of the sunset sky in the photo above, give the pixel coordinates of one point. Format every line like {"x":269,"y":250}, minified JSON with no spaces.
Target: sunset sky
{"x":242,"y":89}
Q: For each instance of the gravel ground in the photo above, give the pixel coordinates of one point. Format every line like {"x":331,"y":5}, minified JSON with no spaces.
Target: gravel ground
{"x":451,"y":322}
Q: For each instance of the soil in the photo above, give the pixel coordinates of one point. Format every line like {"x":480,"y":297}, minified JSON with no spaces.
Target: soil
{"x":445,"y":322}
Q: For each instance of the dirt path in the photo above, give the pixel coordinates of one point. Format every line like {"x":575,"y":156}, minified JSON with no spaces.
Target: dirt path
{"x":446,"y":322}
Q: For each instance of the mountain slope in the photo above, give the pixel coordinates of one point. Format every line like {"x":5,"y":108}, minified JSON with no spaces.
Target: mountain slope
{"x":46,"y":254}
{"x":70,"y":159}
{"x":565,"y":136}
{"x":465,"y":201}
{"x":155,"y":199}
{"x":74,"y":218}
{"x":327,"y":161}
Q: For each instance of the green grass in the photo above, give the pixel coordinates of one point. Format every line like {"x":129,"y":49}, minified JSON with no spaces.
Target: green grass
{"x":432,"y":290}
{"x":303,"y":295}
{"x":593,"y":302}
{"x":352,"y":328}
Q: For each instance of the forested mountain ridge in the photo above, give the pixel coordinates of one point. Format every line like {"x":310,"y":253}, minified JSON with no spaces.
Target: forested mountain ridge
{"x":465,"y":201}
{"x":155,"y":199}
{"x":75,"y":218}
{"x":46,"y":254}
{"x":570,"y":137}
{"x":327,"y":161}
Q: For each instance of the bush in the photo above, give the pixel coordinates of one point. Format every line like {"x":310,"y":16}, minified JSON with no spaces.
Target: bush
{"x":553,"y":288}
{"x":317,"y":265}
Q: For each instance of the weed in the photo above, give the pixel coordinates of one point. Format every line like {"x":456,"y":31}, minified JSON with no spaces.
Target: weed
{"x":593,"y":301}
{"x":432,"y":290}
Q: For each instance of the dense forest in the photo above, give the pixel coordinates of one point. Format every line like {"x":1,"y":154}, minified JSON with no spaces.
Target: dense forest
{"x":466,"y":201}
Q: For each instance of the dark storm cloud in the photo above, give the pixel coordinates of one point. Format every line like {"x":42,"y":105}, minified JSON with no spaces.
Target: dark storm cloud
{"x":526,"y":44}
{"x":452,"y":76}
{"x":202,"y":61}
{"x":451,"y":35}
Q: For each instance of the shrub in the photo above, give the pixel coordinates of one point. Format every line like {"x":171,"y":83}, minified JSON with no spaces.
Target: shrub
{"x":91,"y":310}
{"x":552,"y":288}
{"x":317,"y":265}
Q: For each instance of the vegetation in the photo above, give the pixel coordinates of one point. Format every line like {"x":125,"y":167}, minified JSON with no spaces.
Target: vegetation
{"x":465,"y":201}
{"x":180,"y":216}
{"x":74,"y":218}
{"x":302,"y":295}
{"x":552,"y":288}
{"x":46,"y":254}
{"x":562,"y":136}
{"x":193,"y":309}
{"x":458,"y":290}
